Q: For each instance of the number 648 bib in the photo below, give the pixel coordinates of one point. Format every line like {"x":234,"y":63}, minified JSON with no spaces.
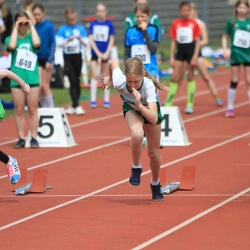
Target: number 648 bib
{"x":26,"y":59}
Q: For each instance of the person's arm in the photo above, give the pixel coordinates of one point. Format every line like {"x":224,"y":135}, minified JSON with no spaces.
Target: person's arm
{"x":93,"y":46}
{"x":224,"y":41}
{"x":7,"y":73}
{"x":110,"y":45}
{"x":2,"y":25}
{"x":107,"y":81}
{"x":149,"y":112}
{"x":34,"y":36}
{"x":152,"y":46}
{"x":172,"y":51}
{"x":13,"y":37}
{"x":204,"y":34}
{"x":196,"y":51}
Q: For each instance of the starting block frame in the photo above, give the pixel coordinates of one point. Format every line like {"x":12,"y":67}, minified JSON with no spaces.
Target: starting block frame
{"x":37,"y":185}
{"x":186,"y":180}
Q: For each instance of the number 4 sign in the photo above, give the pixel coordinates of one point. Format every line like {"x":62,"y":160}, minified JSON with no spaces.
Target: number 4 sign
{"x":53,"y":129}
{"x":173,"y":132}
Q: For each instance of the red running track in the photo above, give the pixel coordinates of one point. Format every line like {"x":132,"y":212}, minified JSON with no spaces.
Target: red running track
{"x":92,"y":206}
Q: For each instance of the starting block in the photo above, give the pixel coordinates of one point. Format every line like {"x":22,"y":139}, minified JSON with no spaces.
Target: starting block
{"x":38,"y":184}
{"x":186,"y":180}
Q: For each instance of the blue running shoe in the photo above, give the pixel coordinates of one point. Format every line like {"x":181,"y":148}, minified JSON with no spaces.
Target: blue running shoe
{"x":13,"y":171}
{"x":135,"y":178}
{"x":106,"y":105}
{"x":219,"y":102}
{"x":92,"y":105}
{"x":34,"y":143}
{"x":156,"y":192}
{"x":20,"y":143}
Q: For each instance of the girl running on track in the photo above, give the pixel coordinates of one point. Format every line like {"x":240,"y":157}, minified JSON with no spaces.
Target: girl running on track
{"x":238,"y":30}
{"x":101,"y":38}
{"x":71,"y":37}
{"x":23,"y":46}
{"x":185,"y":34}
{"x":141,"y":109}
{"x":46,"y":32}
{"x":12,"y":168}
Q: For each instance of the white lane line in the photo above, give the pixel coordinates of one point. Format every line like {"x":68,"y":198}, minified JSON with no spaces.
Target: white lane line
{"x":75,"y":154}
{"x":115,"y":184}
{"x":173,"y":195}
{"x":189,"y":221}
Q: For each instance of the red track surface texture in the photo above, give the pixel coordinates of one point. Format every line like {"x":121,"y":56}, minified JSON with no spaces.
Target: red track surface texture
{"x":92,"y":206}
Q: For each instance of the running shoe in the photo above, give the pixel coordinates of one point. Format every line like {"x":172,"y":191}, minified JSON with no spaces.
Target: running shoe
{"x":144,"y":142}
{"x":79,"y":110}
{"x":156,"y":192}
{"x":20,"y":143}
{"x":189,"y":110}
{"x":34,"y":143}
{"x":70,"y":111}
{"x":13,"y":171}
{"x":219,"y":102}
{"x":135,"y":178}
{"x":106,"y":105}
{"x":230,"y":114}
{"x":92,"y":105}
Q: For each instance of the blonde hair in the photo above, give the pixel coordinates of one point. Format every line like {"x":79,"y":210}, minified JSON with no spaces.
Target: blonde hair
{"x":143,"y":7}
{"x":69,"y":11}
{"x":135,"y":66}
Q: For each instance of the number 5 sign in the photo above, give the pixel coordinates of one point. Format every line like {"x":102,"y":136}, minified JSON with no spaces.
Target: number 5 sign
{"x":173,"y":132}
{"x":53,"y":129}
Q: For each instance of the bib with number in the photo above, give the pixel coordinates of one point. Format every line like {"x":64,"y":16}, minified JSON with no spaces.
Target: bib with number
{"x":141,"y":52}
{"x":100,"y":33}
{"x":72,"y":47}
{"x":185,"y":35}
{"x":26,"y":59}
{"x":242,"y":39}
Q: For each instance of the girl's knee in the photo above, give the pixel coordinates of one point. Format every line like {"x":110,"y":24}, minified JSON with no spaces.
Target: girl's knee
{"x":137,"y":137}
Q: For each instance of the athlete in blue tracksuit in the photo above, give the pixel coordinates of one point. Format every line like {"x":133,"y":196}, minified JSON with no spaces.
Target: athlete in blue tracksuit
{"x":142,"y":40}
{"x":46,"y":32}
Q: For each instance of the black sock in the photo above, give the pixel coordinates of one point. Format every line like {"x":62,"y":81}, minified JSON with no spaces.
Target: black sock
{"x":3,"y":157}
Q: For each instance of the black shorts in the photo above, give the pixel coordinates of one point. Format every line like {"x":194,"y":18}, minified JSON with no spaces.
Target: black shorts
{"x":95,"y":58}
{"x":245,"y":64}
{"x":42,"y":63}
{"x":185,"y":52}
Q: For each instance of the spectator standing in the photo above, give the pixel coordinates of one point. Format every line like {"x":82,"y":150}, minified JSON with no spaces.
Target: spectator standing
{"x":23,"y":46}
{"x":71,"y":37}
{"x":101,"y":37}
{"x":45,"y":54}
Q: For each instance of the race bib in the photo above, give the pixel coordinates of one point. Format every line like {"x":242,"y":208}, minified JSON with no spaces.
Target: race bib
{"x":185,"y":35}
{"x":242,"y":39}
{"x":141,"y":52}
{"x":100,"y":33}
{"x":26,"y":59}
{"x":72,"y":47}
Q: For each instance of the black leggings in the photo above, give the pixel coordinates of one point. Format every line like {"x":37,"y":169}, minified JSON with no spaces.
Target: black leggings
{"x":72,"y":69}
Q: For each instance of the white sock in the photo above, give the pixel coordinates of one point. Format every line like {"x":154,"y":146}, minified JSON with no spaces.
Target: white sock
{"x":49,"y":101}
{"x":155,"y":183}
{"x":10,"y":160}
{"x":42,"y":101}
{"x":230,"y":98}
{"x":106,"y":94}
{"x":134,"y":166}
{"x":93,"y":90}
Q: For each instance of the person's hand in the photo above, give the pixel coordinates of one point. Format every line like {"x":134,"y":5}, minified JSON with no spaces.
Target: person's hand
{"x":143,"y":25}
{"x":193,"y":61}
{"x":226,"y":54}
{"x":137,"y":96}
{"x":48,"y":66}
{"x":71,"y":38}
{"x":26,"y":88}
{"x":106,"y":83}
